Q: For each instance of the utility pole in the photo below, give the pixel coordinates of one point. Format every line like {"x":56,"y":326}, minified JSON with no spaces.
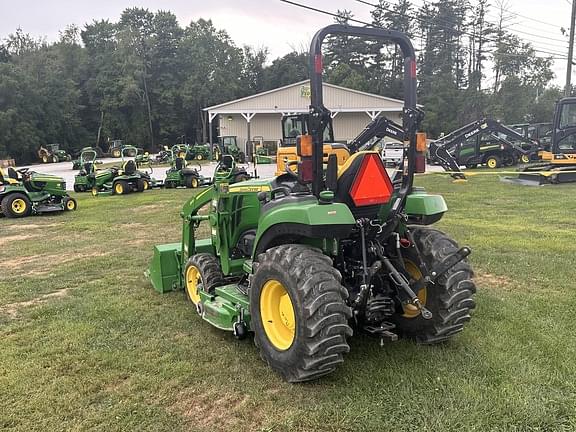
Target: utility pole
{"x":568,"y":87}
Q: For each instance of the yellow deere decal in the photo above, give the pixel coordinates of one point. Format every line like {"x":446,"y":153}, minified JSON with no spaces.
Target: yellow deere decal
{"x":237,"y":189}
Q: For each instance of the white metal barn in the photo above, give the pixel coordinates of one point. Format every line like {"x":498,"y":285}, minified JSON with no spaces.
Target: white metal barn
{"x":261,"y":114}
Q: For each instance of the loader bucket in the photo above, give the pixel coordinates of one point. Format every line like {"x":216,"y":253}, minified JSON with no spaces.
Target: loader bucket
{"x":164,"y":271}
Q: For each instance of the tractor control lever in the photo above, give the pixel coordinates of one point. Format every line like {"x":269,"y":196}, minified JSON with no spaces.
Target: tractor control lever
{"x":400,"y":280}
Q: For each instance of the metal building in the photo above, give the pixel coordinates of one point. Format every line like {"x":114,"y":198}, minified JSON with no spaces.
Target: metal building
{"x":260,"y":115}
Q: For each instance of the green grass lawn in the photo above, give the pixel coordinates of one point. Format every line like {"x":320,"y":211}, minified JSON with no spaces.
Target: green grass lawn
{"x":86,"y":344}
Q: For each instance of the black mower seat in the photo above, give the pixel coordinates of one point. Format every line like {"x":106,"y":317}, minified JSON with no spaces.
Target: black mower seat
{"x":180,"y":163}
{"x":129,"y":167}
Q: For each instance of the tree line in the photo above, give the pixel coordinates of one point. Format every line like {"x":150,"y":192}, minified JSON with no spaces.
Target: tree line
{"x":145,"y":79}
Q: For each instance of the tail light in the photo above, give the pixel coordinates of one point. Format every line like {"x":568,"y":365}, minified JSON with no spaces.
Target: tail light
{"x":420,"y":167}
{"x":371,"y":184}
{"x":305,"y":170}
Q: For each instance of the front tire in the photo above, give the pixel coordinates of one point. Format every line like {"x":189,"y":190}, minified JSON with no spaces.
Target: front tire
{"x":449,"y":299}
{"x":202,"y":273}
{"x":299,"y":312}
{"x":70,"y":204}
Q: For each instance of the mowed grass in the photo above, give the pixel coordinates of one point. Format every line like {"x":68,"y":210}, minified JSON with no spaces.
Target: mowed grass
{"x":86,"y":344}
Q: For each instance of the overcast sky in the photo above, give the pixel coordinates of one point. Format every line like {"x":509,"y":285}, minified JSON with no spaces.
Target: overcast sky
{"x":265,"y":23}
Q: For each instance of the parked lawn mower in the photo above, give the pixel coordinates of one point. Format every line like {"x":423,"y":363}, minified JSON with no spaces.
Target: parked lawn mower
{"x":303,"y":258}
{"x":180,"y":174}
{"x":85,"y":179}
{"x":122,"y":180}
{"x":24,"y":193}
{"x":227,"y":171}
{"x":53,"y":153}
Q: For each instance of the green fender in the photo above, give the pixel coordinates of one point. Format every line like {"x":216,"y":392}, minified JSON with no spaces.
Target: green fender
{"x":306,"y":219}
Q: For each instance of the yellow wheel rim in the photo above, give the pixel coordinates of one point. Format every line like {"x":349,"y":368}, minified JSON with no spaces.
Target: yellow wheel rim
{"x":19,"y":206}
{"x":277,"y":313}
{"x":70,"y":205}
{"x":146,"y":185}
{"x":491,"y":163}
{"x":411,"y":311}
{"x":525,"y":159}
{"x":199,"y":157}
{"x":44,"y":159}
{"x":182,"y":155}
{"x":118,"y":188}
{"x":94,"y":191}
{"x":194,"y":183}
{"x":192,"y":280}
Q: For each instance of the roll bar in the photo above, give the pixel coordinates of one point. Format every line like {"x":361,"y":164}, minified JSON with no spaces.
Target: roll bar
{"x":320,"y":114}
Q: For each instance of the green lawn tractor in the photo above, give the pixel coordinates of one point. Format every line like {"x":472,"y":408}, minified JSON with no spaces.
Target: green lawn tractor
{"x":182,"y":175}
{"x":304,"y":259}
{"x":84,"y":180}
{"x":53,"y":153}
{"x":24,"y":193}
{"x":121,"y":180}
{"x":227,"y":171}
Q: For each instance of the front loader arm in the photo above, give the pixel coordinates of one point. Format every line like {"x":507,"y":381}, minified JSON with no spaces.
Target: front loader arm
{"x":379,"y":128}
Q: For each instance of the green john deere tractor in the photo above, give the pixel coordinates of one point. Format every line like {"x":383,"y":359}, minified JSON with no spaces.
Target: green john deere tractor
{"x":302,"y":259}
{"x":24,"y":193}
{"x":121,"y":180}
{"x":53,"y":153}
{"x":228,"y":145}
{"x":198,"y":152}
{"x":180,"y":174}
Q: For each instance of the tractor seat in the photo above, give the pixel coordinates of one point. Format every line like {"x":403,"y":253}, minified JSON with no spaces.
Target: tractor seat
{"x":8,"y":176}
{"x":346,"y":175}
{"x":129,"y":167}
{"x":226,"y":162}
{"x":180,"y":163}
{"x":13,"y":174}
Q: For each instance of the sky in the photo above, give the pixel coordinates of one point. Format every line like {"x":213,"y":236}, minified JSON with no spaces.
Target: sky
{"x":270,"y":23}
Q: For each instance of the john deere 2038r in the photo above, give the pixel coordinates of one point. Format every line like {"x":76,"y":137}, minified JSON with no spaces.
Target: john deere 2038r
{"x":303,"y":258}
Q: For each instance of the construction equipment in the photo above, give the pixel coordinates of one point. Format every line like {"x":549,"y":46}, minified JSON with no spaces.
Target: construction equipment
{"x":483,"y":142}
{"x":560,"y":161}
{"x":302,"y":258}
{"x":53,"y":153}
{"x":24,"y":193}
{"x":228,"y":145}
{"x":180,"y":174}
{"x":368,"y":138}
{"x":121,"y":180}
{"x":539,"y":132}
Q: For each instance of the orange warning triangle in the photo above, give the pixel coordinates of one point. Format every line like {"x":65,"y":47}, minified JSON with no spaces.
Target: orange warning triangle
{"x":371,"y":184}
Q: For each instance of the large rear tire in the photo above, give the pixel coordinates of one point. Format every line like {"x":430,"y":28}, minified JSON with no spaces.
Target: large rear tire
{"x":449,"y":299}
{"x":16,"y":205}
{"x":121,"y":187}
{"x":299,"y":312}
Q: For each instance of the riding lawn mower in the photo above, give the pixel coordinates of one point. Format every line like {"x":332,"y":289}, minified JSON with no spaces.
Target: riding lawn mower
{"x":304,"y":259}
{"x":24,"y":193}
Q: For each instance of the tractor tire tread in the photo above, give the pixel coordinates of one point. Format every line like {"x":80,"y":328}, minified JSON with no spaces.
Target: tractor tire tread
{"x":453,"y":291}
{"x":318,"y":349}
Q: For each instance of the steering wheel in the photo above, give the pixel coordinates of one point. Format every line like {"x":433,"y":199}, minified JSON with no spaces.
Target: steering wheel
{"x":23,"y":170}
